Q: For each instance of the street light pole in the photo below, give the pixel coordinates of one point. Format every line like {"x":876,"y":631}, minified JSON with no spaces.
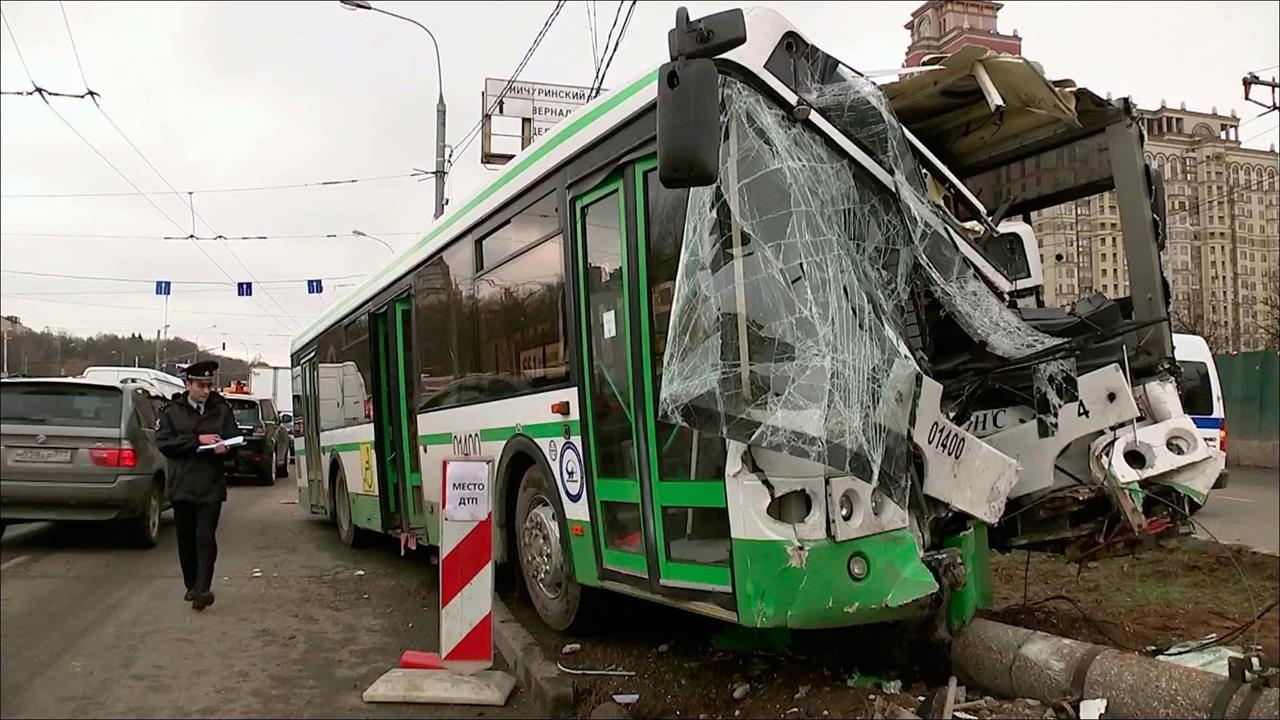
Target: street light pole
{"x":196,"y":358}
{"x":375,"y":238}
{"x":440,"y":106}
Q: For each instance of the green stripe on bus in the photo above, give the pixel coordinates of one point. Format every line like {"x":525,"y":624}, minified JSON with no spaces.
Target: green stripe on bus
{"x":343,"y":447}
{"x":500,"y":434}
{"x":538,"y":153}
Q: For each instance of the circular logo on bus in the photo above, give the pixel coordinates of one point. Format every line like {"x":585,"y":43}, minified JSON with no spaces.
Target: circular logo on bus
{"x":571,"y":471}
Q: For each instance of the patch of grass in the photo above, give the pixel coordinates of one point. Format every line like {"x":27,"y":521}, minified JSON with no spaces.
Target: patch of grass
{"x":1165,"y":591}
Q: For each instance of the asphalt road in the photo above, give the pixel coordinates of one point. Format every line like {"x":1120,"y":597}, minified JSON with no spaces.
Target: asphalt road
{"x":90,"y":627}
{"x":1247,"y":511}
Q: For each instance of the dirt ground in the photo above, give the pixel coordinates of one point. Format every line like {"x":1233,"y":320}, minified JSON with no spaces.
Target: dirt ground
{"x":1179,"y":591}
{"x":683,"y":669}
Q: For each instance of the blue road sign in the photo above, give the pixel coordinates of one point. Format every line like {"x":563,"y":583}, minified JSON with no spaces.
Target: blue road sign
{"x":163,"y":287}
{"x":244,"y":289}
{"x":315,"y":287}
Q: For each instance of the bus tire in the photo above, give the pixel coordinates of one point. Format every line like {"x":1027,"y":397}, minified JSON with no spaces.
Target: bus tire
{"x":540,"y":551}
{"x":348,"y":533}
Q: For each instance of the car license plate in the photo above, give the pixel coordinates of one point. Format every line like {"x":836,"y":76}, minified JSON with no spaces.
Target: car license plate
{"x":42,"y":455}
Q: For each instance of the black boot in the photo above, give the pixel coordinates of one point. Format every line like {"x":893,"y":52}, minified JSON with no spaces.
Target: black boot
{"x":191,"y":595}
{"x":202,"y":600}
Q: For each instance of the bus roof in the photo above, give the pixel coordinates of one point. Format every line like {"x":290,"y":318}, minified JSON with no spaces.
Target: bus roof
{"x":532,"y":164}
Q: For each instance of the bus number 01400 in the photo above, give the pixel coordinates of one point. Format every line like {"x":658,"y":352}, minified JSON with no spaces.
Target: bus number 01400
{"x":466,"y":444}
{"x":949,"y":442}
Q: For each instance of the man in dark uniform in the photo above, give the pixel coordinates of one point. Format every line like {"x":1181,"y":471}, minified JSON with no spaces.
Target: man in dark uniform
{"x":195,"y":418}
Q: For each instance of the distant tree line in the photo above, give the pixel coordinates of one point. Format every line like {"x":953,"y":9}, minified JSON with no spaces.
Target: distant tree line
{"x":59,"y":354}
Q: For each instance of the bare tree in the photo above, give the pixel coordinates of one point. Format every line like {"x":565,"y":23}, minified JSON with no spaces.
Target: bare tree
{"x":1193,"y":321}
{"x":1266,"y":316}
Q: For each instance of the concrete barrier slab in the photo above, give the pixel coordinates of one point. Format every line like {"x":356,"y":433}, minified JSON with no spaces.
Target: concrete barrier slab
{"x":441,"y":687}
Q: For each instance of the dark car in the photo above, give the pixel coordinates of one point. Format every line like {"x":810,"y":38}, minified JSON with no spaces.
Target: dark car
{"x":81,"y":450}
{"x":265,"y":454}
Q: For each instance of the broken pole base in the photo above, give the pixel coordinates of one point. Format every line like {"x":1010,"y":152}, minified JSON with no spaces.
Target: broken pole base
{"x":441,"y":687}
{"x":1011,"y":662}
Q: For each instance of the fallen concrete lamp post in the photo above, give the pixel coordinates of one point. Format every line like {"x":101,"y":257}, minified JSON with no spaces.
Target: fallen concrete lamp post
{"x":1015,"y":662}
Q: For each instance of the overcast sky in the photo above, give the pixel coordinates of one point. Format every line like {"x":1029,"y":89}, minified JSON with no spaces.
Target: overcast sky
{"x":226,"y":95}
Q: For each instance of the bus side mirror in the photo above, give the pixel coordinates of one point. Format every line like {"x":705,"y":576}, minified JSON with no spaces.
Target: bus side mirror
{"x":689,"y":97}
{"x":688,"y":124}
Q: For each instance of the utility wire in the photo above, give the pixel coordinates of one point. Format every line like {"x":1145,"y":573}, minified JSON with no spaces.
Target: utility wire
{"x":608,"y":39}
{"x":150,"y":309}
{"x":74,"y":50}
{"x":23,"y":60}
{"x":299,"y":236}
{"x":210,"y":191}
{"x":190,"y":203}
{"x":591,"y":20}
{"x":473,"y":133}
{"x":604,"y":72}
{"x":222,"y":283}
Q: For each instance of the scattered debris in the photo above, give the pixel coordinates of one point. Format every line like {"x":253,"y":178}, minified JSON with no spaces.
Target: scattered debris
{"x":626,"y":698}
{"x":1212,"y":659}
{"x":948,"y":706}
{"x":804,"y":690}
{"x":570,"y":649}
{"x":588,"y":671}
{"x":1092,"y":709}
{"x":257,"y":572}
{"x":961,"y":715}
{"x":893,"y":687}
{"x":288,"y":502}
{"x":663,"y":647}
{"x":740,"y":690}
{"x":364,"y":596}
{"x":359,"y":573}
{"x":897,"y":712}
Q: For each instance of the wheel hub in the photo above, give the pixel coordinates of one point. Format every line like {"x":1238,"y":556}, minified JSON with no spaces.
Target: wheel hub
{"x":541,"y":555}
{"x":153,"y":515}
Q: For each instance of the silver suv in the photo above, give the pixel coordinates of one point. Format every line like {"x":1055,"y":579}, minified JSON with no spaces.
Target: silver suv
{"x":73,"y":449}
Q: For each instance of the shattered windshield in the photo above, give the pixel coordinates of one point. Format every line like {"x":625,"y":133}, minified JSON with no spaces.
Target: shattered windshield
{"x":791,"y":311}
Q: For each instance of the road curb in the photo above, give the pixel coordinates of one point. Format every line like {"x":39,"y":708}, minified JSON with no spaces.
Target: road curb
{"x":551,"y":690}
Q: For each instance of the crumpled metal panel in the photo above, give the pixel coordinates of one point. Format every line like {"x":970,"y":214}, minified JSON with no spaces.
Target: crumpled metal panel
{"x":796,"y":268}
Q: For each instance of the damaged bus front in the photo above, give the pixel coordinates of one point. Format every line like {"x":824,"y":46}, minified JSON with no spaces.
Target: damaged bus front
{"x":833,"y":320}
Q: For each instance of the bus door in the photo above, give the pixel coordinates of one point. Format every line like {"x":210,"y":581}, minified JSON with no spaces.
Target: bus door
{"x":400,"y":497}
{"x":658,"y":500}
{"x":313,"y":461}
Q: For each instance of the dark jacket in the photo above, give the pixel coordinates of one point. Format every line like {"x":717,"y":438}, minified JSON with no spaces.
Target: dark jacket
{"x":195,"y":476}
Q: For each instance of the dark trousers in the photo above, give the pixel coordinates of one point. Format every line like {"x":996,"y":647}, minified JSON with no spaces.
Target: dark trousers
{"x":197,"y":526}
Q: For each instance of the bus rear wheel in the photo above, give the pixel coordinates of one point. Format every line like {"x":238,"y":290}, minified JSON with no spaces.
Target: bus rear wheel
{"x":544,"y":564}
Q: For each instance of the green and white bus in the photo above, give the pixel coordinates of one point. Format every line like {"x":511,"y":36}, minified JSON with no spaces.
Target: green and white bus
{"x":712,"y":397}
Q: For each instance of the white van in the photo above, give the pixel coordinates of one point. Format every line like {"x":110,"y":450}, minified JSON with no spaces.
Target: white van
{"x":1201,"y":392}
{"x":163,"y":381}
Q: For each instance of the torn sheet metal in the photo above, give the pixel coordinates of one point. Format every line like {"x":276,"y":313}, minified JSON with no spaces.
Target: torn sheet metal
{"x":979,"y":99}
{"x":1103,"y":400}
{"x":959,"y":469}
{"x":795,"y":271}
{"x":1170,"y":452}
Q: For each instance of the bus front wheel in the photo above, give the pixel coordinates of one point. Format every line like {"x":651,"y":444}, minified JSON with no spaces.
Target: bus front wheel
{"x":544,"y":563}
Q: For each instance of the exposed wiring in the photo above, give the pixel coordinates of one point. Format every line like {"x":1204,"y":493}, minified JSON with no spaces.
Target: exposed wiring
{"x":1085,"y":614}
{"x":1227,"y":637}
{"x":1231,"y":556}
